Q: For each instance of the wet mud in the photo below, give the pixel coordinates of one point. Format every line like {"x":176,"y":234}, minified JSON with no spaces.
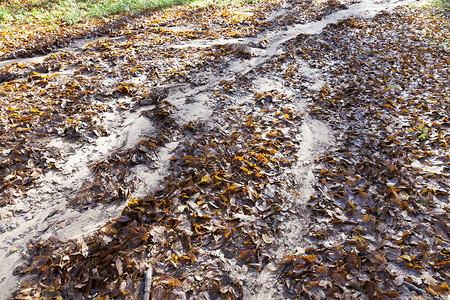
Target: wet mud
{"x":196,"y":158}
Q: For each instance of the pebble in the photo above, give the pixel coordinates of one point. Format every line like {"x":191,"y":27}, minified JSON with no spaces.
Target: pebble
{"x":13,"y":226}
{"x":13,"y":250}
{"x":2,"y":228}
{"x":6,"y":215}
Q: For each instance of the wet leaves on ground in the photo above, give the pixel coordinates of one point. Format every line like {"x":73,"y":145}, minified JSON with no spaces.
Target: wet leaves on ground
{"x":382,"y":204}
{"x":379,"y":224}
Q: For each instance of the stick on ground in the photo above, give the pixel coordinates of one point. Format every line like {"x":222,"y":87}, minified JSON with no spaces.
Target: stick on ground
{"x":148,"y":283}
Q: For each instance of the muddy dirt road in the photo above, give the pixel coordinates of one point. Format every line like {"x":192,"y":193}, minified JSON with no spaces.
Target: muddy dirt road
{"x":183,"y":143}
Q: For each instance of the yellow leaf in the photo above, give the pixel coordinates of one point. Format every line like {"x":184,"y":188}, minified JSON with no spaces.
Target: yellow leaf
{"x":205,"y":180}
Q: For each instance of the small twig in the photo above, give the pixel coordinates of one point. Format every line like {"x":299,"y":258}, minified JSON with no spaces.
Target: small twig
{"x":148,"y":283}
{"x":282,"y":271}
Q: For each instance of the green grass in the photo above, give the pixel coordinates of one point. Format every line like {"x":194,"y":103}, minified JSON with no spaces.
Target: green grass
{"x":73,"y":11}
{"x":441,"y":5}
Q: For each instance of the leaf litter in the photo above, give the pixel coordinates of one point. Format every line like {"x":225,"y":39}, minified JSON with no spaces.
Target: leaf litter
{"x":220,"y":210}
{"x":381,"y":219}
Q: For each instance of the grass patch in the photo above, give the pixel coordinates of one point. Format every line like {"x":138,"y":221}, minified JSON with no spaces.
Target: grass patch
{"x":445,"y":4}
{"x":73,"y":11}
{"x":442,"y":5}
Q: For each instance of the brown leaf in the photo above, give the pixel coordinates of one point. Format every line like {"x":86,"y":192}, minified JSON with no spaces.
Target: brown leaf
{"x":246,"y":255}
{"x":310,"y":258}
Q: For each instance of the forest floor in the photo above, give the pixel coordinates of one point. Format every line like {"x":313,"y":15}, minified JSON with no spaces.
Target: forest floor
{"x":267,"y":150}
